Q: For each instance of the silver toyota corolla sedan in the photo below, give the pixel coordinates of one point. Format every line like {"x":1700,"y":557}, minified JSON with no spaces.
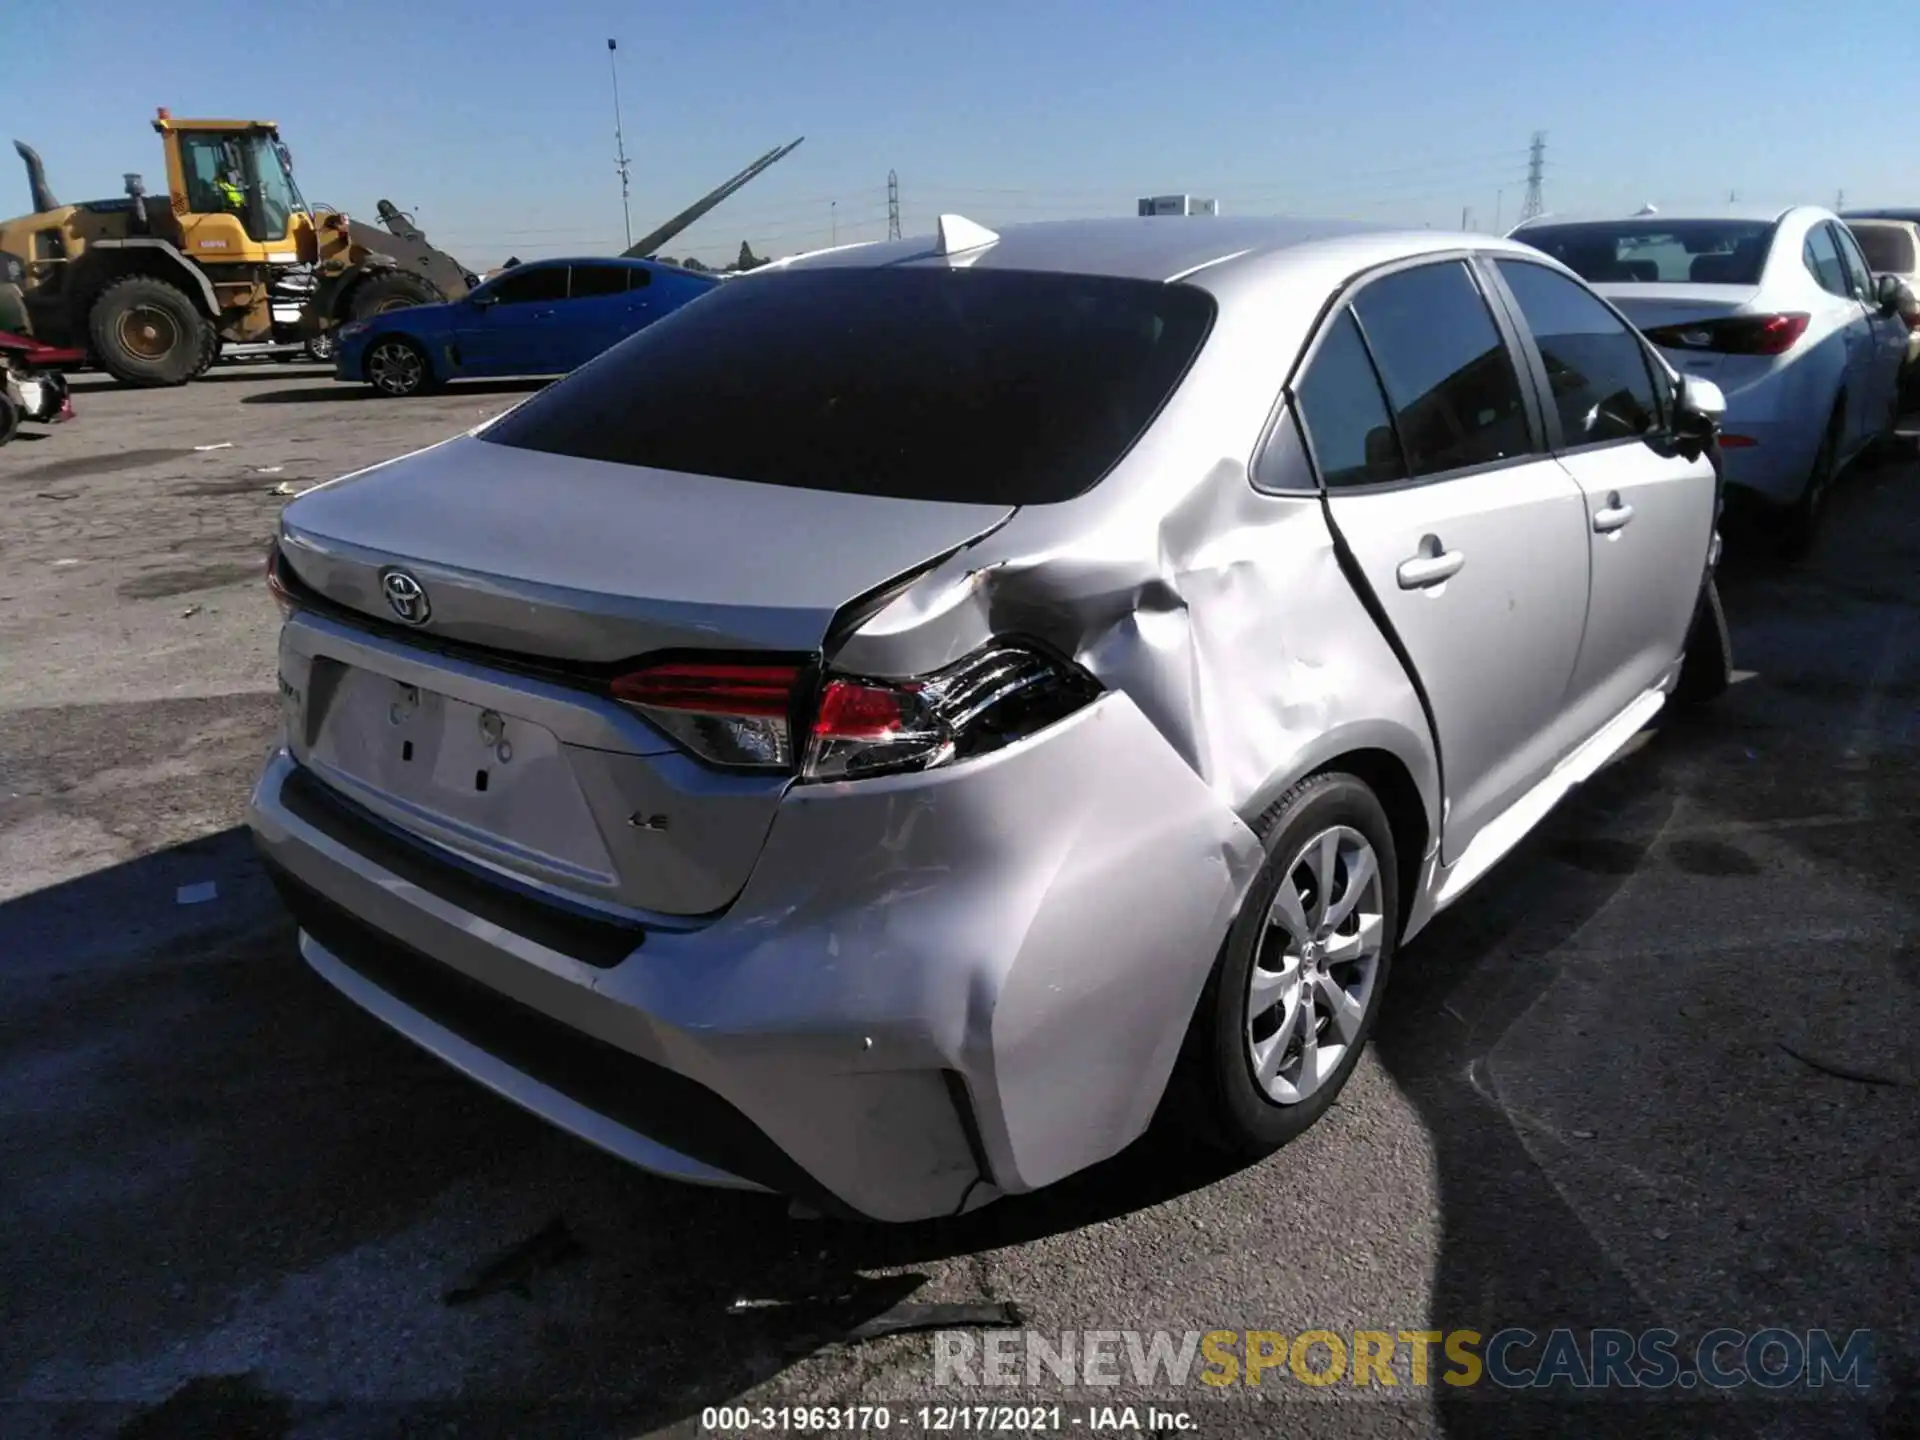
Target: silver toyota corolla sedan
{"x":878,"y":733}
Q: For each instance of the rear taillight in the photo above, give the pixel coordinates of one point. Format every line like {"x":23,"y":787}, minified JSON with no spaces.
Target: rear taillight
{"x":1735,"y":335}
{"x":730,"y":714}
{"x":994,"y":697}
{"x":742,"y":715}
{"x":276,"y":583}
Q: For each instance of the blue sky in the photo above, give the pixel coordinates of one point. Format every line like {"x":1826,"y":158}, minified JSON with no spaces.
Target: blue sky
{"x":493,"y":121}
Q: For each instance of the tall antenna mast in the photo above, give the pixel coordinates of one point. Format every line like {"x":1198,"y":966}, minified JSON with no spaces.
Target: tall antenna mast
{"x":893,"y":205}
{"x":619,"y":141}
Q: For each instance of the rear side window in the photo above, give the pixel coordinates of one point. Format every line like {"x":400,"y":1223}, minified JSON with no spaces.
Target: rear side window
{"x":1447,"y":370}
{"x":1345,"y":414}
{"x":590,"y":281}
{"x":984,"y":386}
{"x":1888,"y":248}
{"x":1822,"y":259}
{"x":1596,"y":367}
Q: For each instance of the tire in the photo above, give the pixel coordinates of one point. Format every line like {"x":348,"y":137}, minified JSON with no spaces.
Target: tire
{"x":9,"y":415}
{"x":146,"y":331}
{"x":1707,"y":667}
{"x":1799,"y":524}
{"x":320,"y":348}
{"x":211,"y":356}
{"x":398,"y":368}
{"x":1226,"y":1104}
{"x":391,"y":290}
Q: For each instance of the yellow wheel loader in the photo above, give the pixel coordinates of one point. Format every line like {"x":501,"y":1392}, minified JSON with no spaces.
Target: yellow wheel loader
{"x":152,"y":286}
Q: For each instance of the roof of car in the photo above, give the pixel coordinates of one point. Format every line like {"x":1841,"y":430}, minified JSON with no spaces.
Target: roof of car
{"x":1164,"y":247}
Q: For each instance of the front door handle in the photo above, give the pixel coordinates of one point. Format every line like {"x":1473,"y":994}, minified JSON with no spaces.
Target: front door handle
{"x":1432,"y":566}
{"x":1612,"y":516}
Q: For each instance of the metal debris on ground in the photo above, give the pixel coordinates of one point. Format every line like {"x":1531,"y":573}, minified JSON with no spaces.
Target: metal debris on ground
{"x":189,"y":612}
{"x":223,"y":445}
{"x":513,"y":1269}
{"x":269,"y":469}
{"x":1840,"y":1071}
{"x":914,"y":1315}
{"x":197,"y":894}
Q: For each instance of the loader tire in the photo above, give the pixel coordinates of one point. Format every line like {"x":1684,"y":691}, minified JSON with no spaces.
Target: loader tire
{"x":210,"y":356}
{"x":395,"y":290}
{"x":147,"y":332}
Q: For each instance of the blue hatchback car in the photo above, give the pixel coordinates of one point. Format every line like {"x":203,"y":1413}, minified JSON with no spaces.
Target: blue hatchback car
{"x":545,"y":317}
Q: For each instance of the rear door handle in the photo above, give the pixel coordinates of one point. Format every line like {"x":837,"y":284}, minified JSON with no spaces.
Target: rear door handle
{"x":1612,"y":516}
{"x":1432,"y":566}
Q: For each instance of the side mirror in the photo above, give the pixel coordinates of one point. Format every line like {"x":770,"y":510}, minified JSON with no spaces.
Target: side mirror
{"x":482,"y":300}
{"x":1700,"y":404}
{"x":1698,"y":408}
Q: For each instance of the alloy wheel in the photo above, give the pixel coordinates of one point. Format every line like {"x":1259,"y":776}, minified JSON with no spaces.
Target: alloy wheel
{"x":1313,"y":974}
{"x":395,"y":368}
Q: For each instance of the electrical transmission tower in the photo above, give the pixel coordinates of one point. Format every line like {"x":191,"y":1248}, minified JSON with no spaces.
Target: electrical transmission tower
{"x":1536,"y":173}
{"x":893,"y":205}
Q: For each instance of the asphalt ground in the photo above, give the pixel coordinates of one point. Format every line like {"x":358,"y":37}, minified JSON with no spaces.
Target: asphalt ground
{"x":1658,"y":1070}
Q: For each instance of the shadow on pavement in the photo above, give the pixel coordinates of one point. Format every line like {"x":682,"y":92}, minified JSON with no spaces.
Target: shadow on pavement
{"x":1602,"y":978}
{"x":347,"y":391}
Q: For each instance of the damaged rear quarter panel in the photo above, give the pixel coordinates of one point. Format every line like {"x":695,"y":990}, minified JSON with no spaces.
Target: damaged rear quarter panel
{"x":1220,"y":610}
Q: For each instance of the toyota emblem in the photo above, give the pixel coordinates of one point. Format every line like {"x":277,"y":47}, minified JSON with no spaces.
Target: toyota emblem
{"x":406,"y":596}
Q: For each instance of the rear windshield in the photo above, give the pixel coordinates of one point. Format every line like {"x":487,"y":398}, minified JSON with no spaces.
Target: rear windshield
{"x":1658,"y":252}
{"x":1888,"y":248}
{"x":990,"y":386}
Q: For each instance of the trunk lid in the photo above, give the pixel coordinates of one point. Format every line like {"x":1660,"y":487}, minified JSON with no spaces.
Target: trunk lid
{"x":592,"y":562}
{"x":567,"y":560}
{"x":1651,"y":307}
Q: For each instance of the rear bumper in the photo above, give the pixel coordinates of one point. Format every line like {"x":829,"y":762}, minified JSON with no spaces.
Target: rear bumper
{"x":934,"y":988}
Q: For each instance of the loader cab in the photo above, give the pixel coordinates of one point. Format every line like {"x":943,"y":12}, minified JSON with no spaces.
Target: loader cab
{"x":232,"y":190}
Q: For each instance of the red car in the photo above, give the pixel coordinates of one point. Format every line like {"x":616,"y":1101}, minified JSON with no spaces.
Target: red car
{"x":33,"y":388}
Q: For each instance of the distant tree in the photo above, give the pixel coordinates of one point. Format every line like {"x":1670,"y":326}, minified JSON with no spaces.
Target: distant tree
{"x":748,"y":260}
{"x":692,"y":262}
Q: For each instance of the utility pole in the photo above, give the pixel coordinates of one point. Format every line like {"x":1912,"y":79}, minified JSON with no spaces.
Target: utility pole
{"x":1466,"y":214}
{"x":834,"y":207}
{"x":1536,"y":176}
{"x":1839,"y":200}
{"x":893,"y":205}
{"x":1499,"y":205}
{"x":619,"y":141}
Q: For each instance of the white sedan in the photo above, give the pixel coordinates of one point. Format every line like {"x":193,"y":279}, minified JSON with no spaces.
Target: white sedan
{"x":1779,"y":309}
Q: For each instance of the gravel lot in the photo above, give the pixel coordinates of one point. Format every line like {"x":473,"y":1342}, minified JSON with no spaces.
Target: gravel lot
{"x":1604,"y":1093}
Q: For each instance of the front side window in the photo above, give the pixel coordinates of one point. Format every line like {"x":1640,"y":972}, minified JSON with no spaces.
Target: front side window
{"x":1858,"y":275}
{"x":209,"y":192}
{"x":1447,"y":371}
{"x":1345,"y":413}
{"x":1822,"y":259}
{"x":528,"y":285}
{"x":1596,"y":366}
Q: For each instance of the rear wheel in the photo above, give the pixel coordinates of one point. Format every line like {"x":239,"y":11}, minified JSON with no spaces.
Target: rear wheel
{"x":1707,"y":668}
{"x":397,"y":368}
{"x":320,"y":348}
{"x":1294,"y":994}
{"x":394,"y":290}
{"x":146,"y":331}
{"x":1799,"y":524}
